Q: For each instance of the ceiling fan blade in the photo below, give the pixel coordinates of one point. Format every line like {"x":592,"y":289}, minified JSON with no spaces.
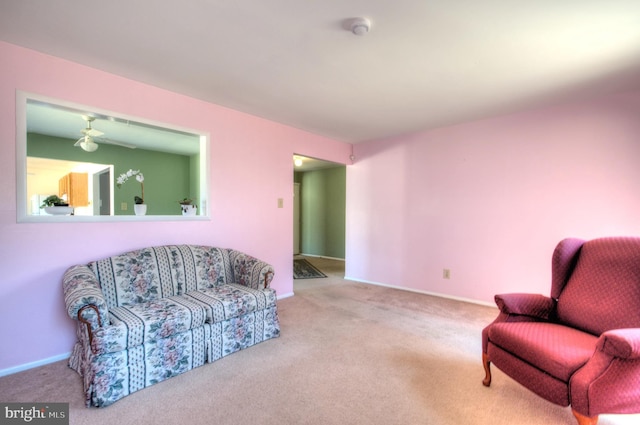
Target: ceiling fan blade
{"x":116,"y":143}
{"x":92,"y":132}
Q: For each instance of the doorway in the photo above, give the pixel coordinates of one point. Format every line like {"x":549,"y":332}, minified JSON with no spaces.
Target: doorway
{"x":45,"y":174}
{"x":102,"y":192}
{"x":296,"y":218}
{"x":319,"y":208}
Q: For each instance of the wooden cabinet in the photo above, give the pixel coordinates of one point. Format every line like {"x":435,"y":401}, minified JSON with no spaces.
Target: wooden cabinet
{"x":76,"y":187}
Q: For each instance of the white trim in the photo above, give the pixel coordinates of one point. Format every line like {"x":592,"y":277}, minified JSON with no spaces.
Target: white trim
{"x":107,"y":218}
{"x":287,"y":295}
{"x":26,"y":366}
{"x":321,"y":256}
{"x":435,"y":294}
{"x":21,"y":166}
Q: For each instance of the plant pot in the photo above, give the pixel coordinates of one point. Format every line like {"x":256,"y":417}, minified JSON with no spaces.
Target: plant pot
{"x":140,"y":209}
{"x":189,"y":210}
{"x":58,"y":210}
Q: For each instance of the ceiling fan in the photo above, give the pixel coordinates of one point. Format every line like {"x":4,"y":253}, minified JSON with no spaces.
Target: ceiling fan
{"x":88,"y":141}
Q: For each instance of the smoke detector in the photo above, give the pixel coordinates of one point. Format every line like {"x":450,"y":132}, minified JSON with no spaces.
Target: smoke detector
{"x":360,"y":26}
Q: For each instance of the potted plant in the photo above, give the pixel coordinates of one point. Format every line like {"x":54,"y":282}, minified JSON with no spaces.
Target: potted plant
{"x":139,"y":206}
{"x":187,"y":206}
{"x":55,"y":205}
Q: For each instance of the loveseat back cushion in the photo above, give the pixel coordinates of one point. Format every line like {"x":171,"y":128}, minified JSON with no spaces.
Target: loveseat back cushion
{"x":211,"y":266}
{"x":135,"y":277}
{"x":603,"y":292}
{"x":157,"y":272}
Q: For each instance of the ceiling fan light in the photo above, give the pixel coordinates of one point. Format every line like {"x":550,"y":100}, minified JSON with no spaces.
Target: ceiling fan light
{"x":89,"y":145}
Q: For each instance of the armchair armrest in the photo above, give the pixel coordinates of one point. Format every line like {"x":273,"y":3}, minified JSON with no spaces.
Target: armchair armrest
{"x":532,"y":305}
{"x":83,"y":297}
{"x":250,"y":271}
{"x":608,"y":382}
{"x":518,"y":307}
{"x":621,"y":343}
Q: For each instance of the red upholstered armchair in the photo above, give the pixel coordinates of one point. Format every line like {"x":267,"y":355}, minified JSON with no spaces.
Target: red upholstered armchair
{"x":581,"y":345}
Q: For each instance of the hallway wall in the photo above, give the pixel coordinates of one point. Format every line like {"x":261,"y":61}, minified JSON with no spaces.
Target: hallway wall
{"x":322,"y":209}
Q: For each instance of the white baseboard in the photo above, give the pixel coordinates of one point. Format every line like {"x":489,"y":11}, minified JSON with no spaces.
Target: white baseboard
{"x":287,"y":295}
{"x":435,"y":294}
{"x":26,"y":366}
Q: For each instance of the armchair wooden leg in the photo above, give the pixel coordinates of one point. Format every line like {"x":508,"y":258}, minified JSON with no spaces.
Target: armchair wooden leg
{"x":584,"y":420}
{"x":487,"y":370}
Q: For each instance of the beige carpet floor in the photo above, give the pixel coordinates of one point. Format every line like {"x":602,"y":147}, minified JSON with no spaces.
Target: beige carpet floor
{"x":349,"y":353}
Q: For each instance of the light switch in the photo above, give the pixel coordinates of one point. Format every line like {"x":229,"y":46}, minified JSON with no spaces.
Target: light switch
{"x":280,"y":203}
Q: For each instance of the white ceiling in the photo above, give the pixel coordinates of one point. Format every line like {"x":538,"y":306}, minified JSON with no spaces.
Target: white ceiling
{"x":424,"y":63}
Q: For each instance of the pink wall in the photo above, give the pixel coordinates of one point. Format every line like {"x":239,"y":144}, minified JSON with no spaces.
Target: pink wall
{"x":251,"y":167}
{"x":489,"y":200}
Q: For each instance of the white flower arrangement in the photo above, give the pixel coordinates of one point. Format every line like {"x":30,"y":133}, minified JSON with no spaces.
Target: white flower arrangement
{"x":139,"y":176}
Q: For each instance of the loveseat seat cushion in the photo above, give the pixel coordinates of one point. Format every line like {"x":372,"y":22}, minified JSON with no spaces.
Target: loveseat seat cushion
{"x":558,"y":350}
{"x":147,"y":322}
{"x":232,"y":300}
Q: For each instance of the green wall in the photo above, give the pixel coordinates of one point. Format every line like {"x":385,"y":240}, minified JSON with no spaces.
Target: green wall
{"x":167,"y":177}
{"x":322,"y":211}
{"x":194,"y":179}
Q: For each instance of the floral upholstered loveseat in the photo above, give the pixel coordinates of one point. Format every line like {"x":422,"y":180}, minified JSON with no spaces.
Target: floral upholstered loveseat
{"x":150,"y":314}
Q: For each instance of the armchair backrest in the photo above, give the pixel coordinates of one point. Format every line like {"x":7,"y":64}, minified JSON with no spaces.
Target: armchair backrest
{"x":601,"y":288}
{"x":562,"y":264}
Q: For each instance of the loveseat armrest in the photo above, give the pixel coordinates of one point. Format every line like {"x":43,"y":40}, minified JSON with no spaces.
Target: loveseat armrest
{"x":532,"y":305}
{"x":83,"y":297}
{"x":621,"y":343}
{"x":249,"y":271}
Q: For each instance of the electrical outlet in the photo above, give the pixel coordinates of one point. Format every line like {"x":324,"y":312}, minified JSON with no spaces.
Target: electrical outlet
{"x":123,"y":206}
{"x":446,"y":274}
